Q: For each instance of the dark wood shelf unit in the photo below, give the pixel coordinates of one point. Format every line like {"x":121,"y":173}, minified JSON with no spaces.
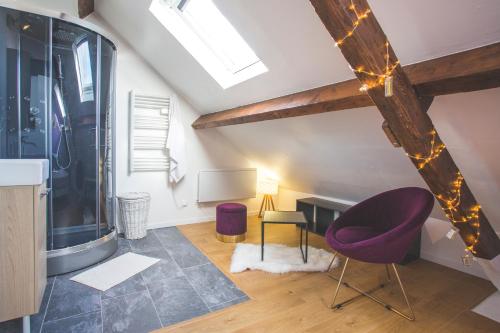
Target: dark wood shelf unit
{"x":320,"y":213}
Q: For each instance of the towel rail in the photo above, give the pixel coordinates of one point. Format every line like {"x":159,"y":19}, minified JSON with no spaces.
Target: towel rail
{"x":148,"y":126}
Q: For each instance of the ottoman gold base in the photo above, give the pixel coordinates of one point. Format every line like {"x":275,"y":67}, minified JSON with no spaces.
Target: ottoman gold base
{"x":231,"y":238}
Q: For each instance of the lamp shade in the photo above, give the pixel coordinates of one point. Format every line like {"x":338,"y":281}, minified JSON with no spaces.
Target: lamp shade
{"x":268,"y":186}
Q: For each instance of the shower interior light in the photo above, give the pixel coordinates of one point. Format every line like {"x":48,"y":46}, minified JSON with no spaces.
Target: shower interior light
{"x":60,"y":101}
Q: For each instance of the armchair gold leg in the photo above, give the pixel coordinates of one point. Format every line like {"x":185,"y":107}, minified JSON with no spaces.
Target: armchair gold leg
{"x":331,"y":262}
{"x":410,"y":317}
{"x":339,"y":283}
{"x":388,"y":273}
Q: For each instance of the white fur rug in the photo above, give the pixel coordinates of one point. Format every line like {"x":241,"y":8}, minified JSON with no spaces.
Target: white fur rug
{"x":279,"y":259}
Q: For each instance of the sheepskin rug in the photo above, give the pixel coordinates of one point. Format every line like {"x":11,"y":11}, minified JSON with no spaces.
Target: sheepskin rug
{"x":279,"y":258}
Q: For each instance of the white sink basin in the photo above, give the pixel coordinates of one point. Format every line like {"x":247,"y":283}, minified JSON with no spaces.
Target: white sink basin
{"x":23,"y":172}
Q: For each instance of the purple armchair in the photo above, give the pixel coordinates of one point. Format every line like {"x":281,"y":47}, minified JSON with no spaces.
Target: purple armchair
{"x":380,"y":230}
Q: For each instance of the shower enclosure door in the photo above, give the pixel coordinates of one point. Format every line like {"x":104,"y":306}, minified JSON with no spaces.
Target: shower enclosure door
{"x":106,"y":121}
{"x":74,"y":136}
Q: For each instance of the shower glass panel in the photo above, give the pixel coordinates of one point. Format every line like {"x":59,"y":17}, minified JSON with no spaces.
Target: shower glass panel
{"x":106,"y":106}
{"x":74,"y":135}
{"x":24,"y":78}
{"x":57,"y":102}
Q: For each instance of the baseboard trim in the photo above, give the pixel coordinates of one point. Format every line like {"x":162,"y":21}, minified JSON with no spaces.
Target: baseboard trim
{"x":192,"y":220}
{"x":475,"y":270}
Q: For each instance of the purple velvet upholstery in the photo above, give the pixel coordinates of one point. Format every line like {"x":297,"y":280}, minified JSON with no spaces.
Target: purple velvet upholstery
{"x":355,"y":234}
{"x":381,"y":229}
{"x":231,"y":219}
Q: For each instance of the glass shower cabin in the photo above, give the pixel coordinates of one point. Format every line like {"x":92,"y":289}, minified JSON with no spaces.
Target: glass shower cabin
{"x":57,"y":102}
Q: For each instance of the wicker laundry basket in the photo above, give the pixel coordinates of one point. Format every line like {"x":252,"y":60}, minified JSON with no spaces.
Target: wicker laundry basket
{"x":134,"y":210}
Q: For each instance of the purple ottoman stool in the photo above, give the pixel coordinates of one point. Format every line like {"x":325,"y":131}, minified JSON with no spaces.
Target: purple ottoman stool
{"x":231,"y":222}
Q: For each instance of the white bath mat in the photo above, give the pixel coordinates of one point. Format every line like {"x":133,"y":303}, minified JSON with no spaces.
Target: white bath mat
{"x":279,"y":259}
{"x":115,"y":271}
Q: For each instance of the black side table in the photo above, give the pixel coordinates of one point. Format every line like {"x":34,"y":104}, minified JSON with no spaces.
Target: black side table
{"x":296,"y":218}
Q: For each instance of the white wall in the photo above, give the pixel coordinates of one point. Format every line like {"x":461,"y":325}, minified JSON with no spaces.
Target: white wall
{"x":345,"y":154}
{"x":206,"y":150}
{"x":339,"y":154}
{"x":435,"y":246}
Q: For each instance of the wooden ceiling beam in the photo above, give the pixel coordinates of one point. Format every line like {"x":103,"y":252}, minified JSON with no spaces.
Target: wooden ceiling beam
{"x":471,"y":70}
{"x":85,"y":8}
{"x":334,"y":97}
{"x":405,"y":114}
{"x":466,"y":71}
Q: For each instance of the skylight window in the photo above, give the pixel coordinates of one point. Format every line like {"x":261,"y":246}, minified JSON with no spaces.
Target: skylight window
{"x":84,"y":70}
{"x":210,"y":38}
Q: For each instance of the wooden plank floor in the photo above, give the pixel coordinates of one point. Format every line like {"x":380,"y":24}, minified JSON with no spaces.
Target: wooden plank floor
{"x":298,"y":302}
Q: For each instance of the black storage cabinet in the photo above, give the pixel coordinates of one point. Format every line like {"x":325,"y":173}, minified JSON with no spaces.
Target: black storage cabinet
{"x":321,"y":213}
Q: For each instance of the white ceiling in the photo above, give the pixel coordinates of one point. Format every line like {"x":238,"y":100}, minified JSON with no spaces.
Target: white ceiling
{"x":291,"y":40}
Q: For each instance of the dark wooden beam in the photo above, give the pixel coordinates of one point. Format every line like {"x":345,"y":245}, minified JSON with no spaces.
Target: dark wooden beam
{"x":390,"y":134}
{"x":425,"y":103}
{"x":471,"y":70}
{"x":85,"y":8}
{"x":405,"y":114}
{"x":334,"y":97}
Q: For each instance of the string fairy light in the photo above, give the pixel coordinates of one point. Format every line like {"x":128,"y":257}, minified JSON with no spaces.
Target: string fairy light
{"x":355,"y":24}
{"x":382,"y":79}
{"x":434,"y":153}
{"x":471,"y":217}
{"x":450,"y":205}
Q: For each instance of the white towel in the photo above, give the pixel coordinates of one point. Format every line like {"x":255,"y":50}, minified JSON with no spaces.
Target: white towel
{"x":176,"y":144}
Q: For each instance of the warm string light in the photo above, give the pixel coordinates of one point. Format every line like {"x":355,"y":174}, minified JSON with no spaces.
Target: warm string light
{"x":355,"y":24}
{"x":434,"y":153}
{"x":382,"y":79}
{"x":451,"y":205}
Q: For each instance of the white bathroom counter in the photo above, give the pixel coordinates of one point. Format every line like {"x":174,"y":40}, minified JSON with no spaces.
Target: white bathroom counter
{"x":15,"y":172}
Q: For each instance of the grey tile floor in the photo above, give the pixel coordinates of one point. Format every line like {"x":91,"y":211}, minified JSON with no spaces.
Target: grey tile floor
{"x":184,"y":284}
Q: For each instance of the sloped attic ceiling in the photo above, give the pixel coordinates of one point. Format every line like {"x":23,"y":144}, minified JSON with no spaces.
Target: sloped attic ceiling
{"x":341,"y":154}
{"x":293,"y":43}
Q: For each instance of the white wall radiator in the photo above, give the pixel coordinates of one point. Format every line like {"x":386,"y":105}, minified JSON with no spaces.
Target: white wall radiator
{"x":226,"y":184}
